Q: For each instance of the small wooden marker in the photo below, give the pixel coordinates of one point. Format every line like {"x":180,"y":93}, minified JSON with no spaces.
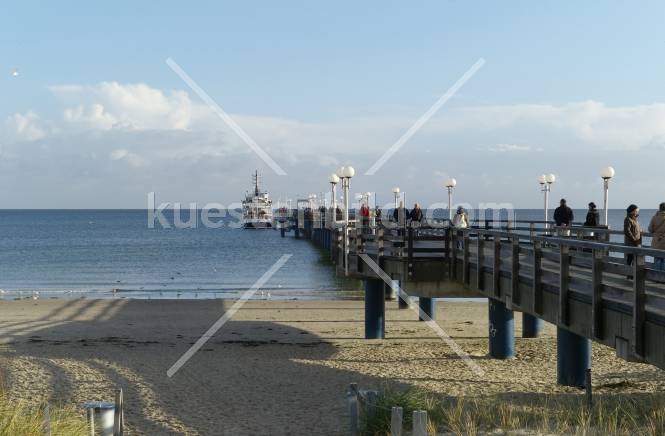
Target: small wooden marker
{"x":396,"y":421}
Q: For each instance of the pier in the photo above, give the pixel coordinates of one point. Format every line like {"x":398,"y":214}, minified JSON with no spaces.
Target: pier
{"x":576,"y":279}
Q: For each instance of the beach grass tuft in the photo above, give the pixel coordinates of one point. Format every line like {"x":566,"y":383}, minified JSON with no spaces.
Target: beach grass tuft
{"x":20,"y":418}
{"x":545,"y":414}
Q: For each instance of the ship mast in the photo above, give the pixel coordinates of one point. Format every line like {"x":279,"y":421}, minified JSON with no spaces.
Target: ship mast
{"x":256,"y":182}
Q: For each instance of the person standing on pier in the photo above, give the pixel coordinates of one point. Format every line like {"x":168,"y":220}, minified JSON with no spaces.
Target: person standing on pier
{"x":460,"y":221}
{"x":416,"y":216}
{"x":377,"y":215}
{"x":364,"y":217}
{"x":592,"y":216}
{"x":631,"y":230}
{"x":400,"y":216}
{"x":657,"y":227}
{"x":563,"y":217}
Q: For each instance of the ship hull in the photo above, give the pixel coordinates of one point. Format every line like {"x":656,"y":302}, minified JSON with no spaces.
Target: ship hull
{"x":257,"y":225}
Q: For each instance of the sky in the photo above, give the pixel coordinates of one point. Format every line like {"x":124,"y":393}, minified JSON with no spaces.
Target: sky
{"x":91,"y":115}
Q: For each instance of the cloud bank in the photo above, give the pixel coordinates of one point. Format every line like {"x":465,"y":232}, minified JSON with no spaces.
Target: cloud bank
{"x":111,"y":143}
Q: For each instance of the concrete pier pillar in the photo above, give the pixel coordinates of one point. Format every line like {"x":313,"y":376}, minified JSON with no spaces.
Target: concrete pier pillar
{"x":391,"y":290}
{"x":532,"y":326}
{"x":375,"y":309}
{"x":402,"y":299}
{"x":501,"y":330}
{"x":573,"y":357}
{"x":428,"y":306}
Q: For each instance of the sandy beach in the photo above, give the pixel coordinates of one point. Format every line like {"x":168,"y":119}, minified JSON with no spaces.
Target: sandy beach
{"x":278,"y":367}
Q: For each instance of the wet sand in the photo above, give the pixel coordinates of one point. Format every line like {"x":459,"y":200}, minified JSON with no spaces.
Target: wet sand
{"x":278,"y":367}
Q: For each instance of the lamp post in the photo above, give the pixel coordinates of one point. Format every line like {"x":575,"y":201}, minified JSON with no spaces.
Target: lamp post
{"x":346,"y":173}
{"x":334,"y":180}
{"x":450,"y":185}
{"x":396,"y":193}
{"x":606,"y":173}
{"x":546,"y":181}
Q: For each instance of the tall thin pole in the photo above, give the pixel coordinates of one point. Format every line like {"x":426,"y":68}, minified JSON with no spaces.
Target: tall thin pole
{"x":606,"y":186}
{"x":450,"y":203}
{"x":345,"y":184}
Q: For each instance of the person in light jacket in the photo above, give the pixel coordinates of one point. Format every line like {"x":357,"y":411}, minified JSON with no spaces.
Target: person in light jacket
{"x":632,"y":233}
{"x":657,"y":227}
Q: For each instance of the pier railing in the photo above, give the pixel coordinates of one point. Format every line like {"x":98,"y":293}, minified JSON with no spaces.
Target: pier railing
{"x":572,"y":277}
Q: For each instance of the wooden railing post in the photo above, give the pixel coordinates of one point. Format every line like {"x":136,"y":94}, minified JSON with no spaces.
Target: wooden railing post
{"x":537,"y":278}
{"x":496,"y":267}
{"x":379,"y":247}
{"x":466,"y":269}
{"x":564,"y":273}
{"x":480,"y":254}
{"x":453,"y":257}
{"x":515,"y":272}
{"x":409,"y":252}
{"x":639,"y":299}
{"x":597,"y":294}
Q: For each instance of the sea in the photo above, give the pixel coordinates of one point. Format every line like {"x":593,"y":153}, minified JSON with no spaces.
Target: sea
{"x":117,"y":254}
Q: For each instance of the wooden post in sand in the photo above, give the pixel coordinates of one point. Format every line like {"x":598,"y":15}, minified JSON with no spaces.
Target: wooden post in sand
{"x":396,"y":421}
{"x":419,"y":423}
{"x":352,"y":401}
{"x":118,"y":417}
{"x":47,"y":421}
{"x":91,"y":420}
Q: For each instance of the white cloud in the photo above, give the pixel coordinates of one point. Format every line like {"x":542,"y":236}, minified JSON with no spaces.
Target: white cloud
{"x":24,"y":127}
{"x":138,"y":106}
{"x":506,"y":148}
{"x":131,"y":158}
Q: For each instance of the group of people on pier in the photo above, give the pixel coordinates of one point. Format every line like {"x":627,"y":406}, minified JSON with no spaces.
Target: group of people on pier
{"x":632,"y":231}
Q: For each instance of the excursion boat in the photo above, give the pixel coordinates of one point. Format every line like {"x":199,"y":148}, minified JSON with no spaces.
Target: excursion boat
{"x":257,"y":207}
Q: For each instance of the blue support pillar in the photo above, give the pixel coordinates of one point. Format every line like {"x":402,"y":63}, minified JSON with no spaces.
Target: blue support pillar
{"x":402,"y":299}
{"x":532,"y":326}
{"x":573,"y":357}
{"x":428,"y":306}
{"x":501,"y":330}
{"x":391,"y":289}
{"x":375,"y":309}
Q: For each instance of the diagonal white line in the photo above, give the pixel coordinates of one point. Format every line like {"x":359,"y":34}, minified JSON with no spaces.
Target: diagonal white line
{"x":425,"y":117}
{"x":228,"y":314}
{"x":225,"y":117}
{"x":428,"y":320}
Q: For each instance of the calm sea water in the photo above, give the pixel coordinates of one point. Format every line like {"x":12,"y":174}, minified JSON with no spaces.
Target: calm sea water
{"x":94,"y":252}
{"x":113,"y":254}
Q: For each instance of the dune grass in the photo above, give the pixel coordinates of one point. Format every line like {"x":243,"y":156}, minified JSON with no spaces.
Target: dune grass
{"x":525,"y":414}
{"x":19,"y":418}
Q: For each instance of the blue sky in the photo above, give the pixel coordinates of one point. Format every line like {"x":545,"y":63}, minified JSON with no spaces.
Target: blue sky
{"x":344,"y":72}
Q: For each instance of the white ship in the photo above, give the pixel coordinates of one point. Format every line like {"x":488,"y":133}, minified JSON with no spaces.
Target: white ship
{"x":257,"y":207}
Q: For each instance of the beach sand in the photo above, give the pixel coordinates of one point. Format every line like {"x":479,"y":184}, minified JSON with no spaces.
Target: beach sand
{"x":278,"y":367}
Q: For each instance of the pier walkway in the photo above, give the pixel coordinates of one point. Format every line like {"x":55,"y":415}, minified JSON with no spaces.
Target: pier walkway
{"x":577,"y":280}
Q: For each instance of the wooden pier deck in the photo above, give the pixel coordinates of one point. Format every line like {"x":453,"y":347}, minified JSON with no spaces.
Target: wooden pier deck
{"x":578,"y":283}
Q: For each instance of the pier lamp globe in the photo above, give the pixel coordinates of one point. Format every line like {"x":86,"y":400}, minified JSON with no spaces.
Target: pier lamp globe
{"x":550,"y":178}
{"x":348,"y":172}
{"x":606,"y":174}
{"x":542,"y":179}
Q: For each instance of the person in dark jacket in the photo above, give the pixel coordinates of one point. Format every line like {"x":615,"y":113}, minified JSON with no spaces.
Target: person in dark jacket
{"x":632,"y":233}
{"x":592,"y":216}
{"x":416,"y":214}
{"x":400,"y":215}
{"x":563,"y":215}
